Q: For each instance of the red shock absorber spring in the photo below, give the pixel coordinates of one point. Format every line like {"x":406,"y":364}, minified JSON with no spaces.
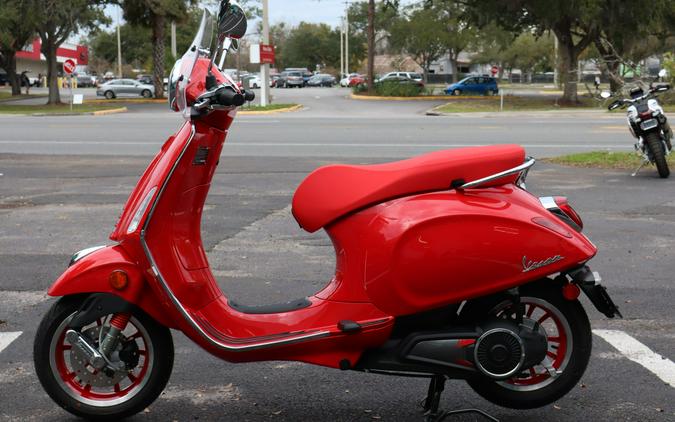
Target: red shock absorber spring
{"x":120,"y":321}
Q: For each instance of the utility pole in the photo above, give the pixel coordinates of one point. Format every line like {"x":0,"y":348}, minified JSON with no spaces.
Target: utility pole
{"x":342,"y":49}
{"x":347,"y":37}
{"x":265,"y":67}
{"x":119,"y":44}
{"x":174,"y":53}
{"x":555,"y":60}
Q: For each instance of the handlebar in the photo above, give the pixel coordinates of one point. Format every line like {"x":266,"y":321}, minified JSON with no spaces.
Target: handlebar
{"x":621,"y":102}
{"x":226,"y":96}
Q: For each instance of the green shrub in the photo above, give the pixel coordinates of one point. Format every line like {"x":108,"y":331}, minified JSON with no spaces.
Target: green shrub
{"x":394,"y":89}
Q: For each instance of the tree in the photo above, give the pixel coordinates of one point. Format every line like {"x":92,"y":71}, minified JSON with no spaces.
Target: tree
{"x":460,"y":33}
{"x":422,"y":34}
{"x":651,"y":31}
{"x":16,"y":30}
{"x":156,"y":14}
{"x":575,"y":23}
{"x":56,"y":21}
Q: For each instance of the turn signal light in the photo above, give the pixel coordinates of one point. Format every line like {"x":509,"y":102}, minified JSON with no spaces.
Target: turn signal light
{"x":118,"y":279}
{"x":565,"y":207}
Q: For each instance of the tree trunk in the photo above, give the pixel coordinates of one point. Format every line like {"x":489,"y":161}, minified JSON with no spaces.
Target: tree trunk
{"x":158,"y":55}
{"x":371,"y":46}
{"x":568,"y":70}
{"x":9,"y":63}
{"x":612,"y":63}
{"x":49,"y":50}
{"x":453,"y":65}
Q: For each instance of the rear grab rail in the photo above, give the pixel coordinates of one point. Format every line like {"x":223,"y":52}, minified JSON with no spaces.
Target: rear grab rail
{"x":522,"y":169}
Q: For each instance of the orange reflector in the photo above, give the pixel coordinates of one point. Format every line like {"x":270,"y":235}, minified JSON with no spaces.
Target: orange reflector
{"x":118,"y":279}
{"x":571,"y":291}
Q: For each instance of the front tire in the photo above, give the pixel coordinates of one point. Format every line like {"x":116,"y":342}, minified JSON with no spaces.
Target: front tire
{"x":109,"y":95}
{"x":91,"y":394}
{"x":568,"y":330}
{"x":456,"y":92}
{"x":653,"y":141}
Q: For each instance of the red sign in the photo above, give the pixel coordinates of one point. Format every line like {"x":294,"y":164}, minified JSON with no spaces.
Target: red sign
{"x":69,"y":66}
{"x":266,"y":53}
{"x":494,"y":70}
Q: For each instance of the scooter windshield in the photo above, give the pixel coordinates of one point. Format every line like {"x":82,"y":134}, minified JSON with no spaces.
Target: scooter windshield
{"x":182,"y":69}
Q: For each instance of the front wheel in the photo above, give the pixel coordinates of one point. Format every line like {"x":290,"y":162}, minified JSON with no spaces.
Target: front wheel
{"x":457,"y":92}
{"x":143,"y":358}
{"x":653,"y":141}
{"x":566,"y":326}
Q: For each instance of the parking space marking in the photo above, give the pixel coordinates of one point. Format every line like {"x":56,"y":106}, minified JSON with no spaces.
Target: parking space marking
{"x":659,"y":365}
{"x":7,"y":338}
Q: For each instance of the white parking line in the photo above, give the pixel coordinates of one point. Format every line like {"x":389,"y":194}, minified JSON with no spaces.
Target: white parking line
{"x":7,"y":338}
{"x":637,"y":352}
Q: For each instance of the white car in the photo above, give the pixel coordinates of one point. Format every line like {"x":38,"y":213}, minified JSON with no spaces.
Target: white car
{"x":410,"y":75}
{"x":254,"y":81}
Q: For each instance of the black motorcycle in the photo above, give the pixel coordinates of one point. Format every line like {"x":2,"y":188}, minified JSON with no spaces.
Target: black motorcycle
{"x":648,"y":124}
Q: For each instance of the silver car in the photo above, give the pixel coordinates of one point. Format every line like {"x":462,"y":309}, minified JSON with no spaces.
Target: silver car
{"x":116,"y":87}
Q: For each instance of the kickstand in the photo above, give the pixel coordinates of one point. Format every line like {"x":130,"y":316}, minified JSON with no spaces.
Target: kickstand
{"x":639,"y":167}
{"x":432,"y":401}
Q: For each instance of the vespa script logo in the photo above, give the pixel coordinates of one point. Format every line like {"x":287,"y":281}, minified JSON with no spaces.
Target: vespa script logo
{"x":533,"y":265}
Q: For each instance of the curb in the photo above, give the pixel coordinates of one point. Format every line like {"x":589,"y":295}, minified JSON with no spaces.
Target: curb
{"x":263,"y":112}
{"x":90,"y":113}
{"x":419,"y":98}
{"x":521,"y":113}
{"x":127,"y":100}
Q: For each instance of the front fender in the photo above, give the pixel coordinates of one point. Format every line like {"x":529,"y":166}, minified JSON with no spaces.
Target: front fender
{"x":89,"y":274}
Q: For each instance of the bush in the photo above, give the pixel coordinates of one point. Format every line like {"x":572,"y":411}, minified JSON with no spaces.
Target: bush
{"x":393,"y":89}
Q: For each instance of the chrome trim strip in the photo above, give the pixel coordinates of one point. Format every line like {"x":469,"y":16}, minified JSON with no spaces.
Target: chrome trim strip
{"x":521,"y":168}
{"x":84,"y":252}
{"x":181,"y":308}
{"x":548,"y":202}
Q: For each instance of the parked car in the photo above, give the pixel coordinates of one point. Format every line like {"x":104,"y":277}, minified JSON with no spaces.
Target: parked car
{"x":344,"y":82}
{"x":116,"y":87}
{"x":476,"y":85}
{"x":321,"y":79}
{"x":411,"y":75}
{"x":145,"y":79}
{"x":253,"y":80}
{"x":273,"y":80}
{"x":85,"y":81}
{"x":4,"y":80}
{"x":356,"y":80}
{"x":290,"y":79}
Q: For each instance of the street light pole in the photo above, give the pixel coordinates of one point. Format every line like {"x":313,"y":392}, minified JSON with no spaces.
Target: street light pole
{"x":119,"y":44}
{"x":347,"y":37}
{"x":265,"y":67}
{"x":174,"y":51}
{"x":342,"y":49}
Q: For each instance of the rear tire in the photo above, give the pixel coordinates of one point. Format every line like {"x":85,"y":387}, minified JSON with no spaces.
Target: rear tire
{"x":572,"y":348}
{"x":60,"y":380}
{"x":653,"y":141}
{"x":146,"y":93}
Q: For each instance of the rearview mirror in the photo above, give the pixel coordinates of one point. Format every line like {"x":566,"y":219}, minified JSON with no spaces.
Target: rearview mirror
{"x":605,"y":94}
{"x":614,"y":105}
{"x":231,"y":20}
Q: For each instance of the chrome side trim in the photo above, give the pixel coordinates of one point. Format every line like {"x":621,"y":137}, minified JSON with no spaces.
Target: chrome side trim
{"x":529,"y":162}
{"x":186,"y":315}
{"x":84,"y":252}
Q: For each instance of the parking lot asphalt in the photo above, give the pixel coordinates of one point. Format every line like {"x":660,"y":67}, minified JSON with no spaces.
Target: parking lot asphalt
{"x":59,"y":199}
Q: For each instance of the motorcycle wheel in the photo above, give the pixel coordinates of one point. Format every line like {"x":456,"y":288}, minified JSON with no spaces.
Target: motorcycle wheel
{"x":653,"y":141}
{"x":85,"y":392}
{"x":568,"y":330}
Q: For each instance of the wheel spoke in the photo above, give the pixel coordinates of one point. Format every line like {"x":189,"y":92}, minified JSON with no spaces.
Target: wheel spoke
{"x":132,"y":377}
{"x":553,"y":339}
{"x":530,"y":310}
{"x":117,"y":387}
{"x":544,"y":317}
{"x":552,"y":355}
{"x":533,"y":373}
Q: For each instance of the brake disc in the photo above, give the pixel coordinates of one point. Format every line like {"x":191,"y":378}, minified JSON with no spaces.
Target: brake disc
{"x":86,"y":373}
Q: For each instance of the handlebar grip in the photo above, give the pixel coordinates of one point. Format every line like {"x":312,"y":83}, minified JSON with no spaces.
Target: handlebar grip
{"x":228,"y":97}
{"x":249,"y":95}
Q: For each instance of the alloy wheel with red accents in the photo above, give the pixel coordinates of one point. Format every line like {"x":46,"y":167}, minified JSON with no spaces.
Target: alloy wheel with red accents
{"x":565,"y":325}
{"x":136,"y":370}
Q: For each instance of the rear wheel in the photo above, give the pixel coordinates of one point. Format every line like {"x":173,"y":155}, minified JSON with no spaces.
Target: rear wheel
{"x":144,"y":357}
{"x":653,"y":141}
{"x":568,"y":331}
{"x":146,"y":93}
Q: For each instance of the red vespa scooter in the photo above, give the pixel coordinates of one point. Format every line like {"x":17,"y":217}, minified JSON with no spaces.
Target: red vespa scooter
{"x":446,"y":268}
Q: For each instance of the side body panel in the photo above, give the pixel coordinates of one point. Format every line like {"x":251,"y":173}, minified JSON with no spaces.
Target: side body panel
{"x":425,"y":251}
